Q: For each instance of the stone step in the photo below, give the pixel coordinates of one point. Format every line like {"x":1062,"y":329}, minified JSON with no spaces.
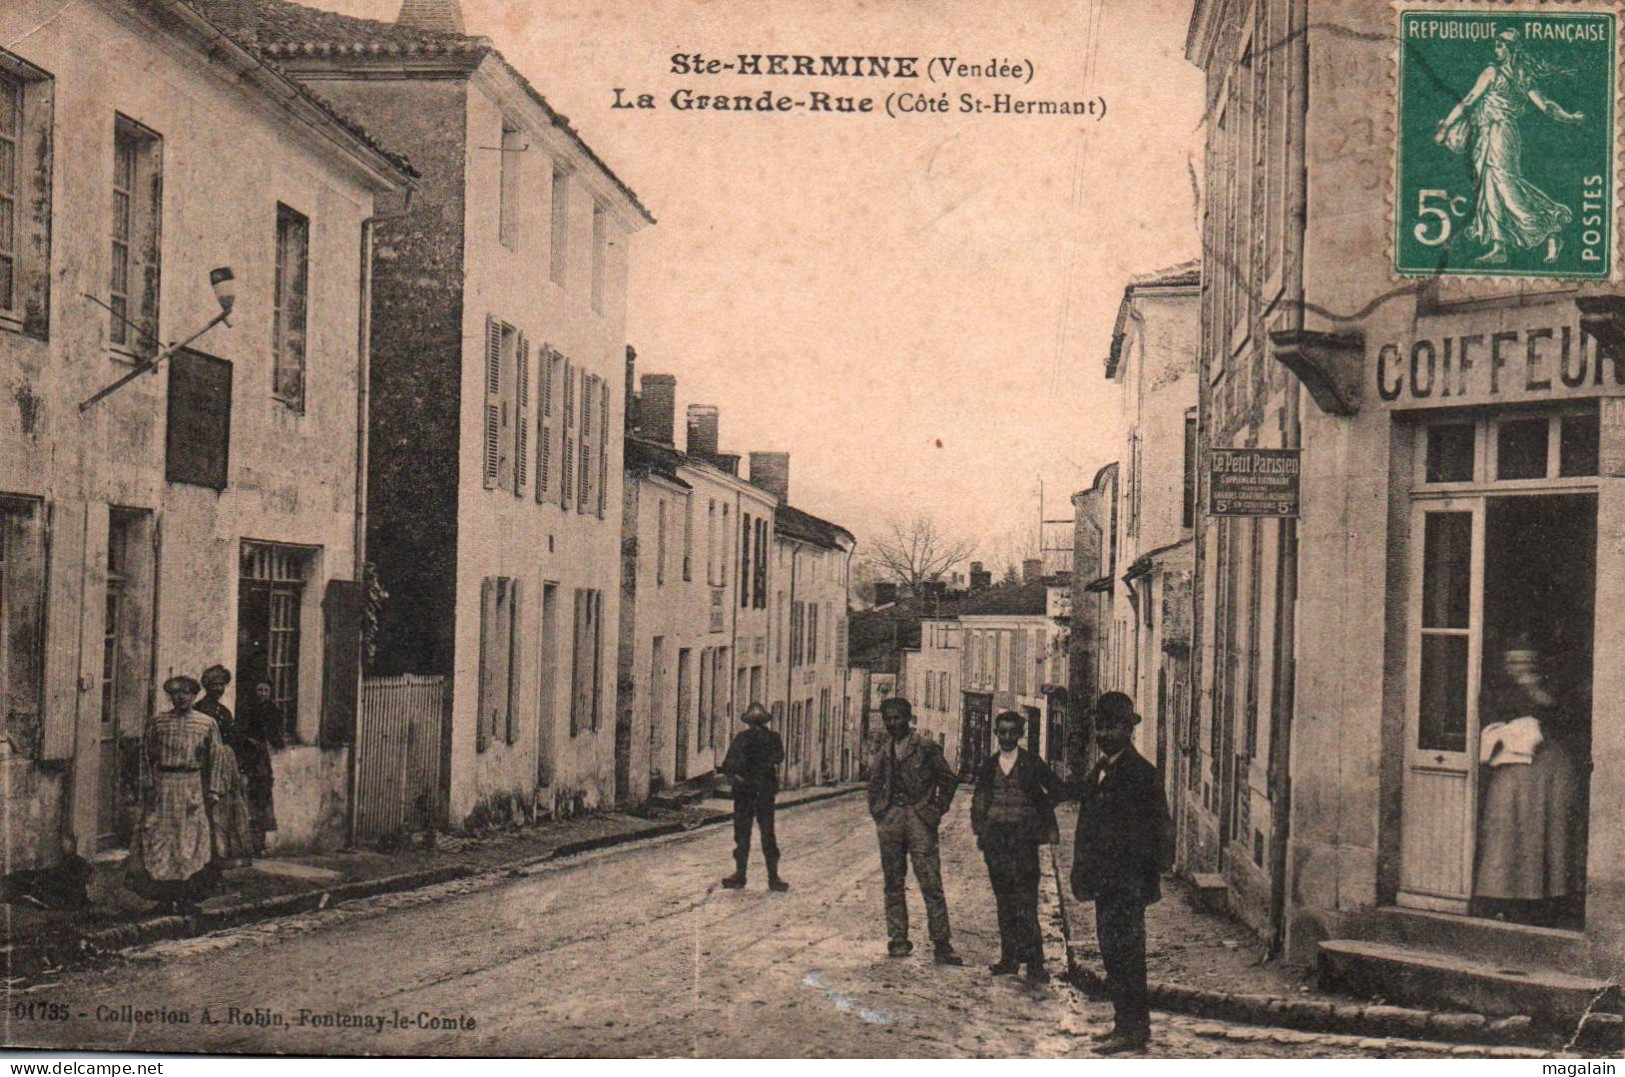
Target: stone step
{"x":1411,"y":976}
{"x":1489,"y":940}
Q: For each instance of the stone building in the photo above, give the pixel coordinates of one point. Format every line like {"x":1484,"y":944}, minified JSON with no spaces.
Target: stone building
{"x":207,"y":512}
{"x":1461,"y":505}
{"x":1013,"y":657}
{"x":497,"y":400}
{"x":1147,"y":654}
{"x":695,"y":586}
{"x":931,"y":673}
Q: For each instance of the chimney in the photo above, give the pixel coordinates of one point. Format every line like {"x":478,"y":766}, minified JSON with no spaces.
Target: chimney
{"x":885,"y":593}
{"x":1032,"y":568}
{"x":702,"y":430}
{"x":657,"y":407}
{"x":980,"y":578}
{"x":238,"y":19}
{"x":441,"y":16}
{"x":631,"y":396}
{"x":771,"y":472}
{"x":727,"y":461}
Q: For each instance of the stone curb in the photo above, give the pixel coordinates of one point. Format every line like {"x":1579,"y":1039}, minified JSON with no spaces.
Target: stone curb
{"x":1601,"y":1031}
{"x":29,"y":958}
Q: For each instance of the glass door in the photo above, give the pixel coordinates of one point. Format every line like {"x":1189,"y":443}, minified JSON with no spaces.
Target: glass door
{"x":1445,"y":644}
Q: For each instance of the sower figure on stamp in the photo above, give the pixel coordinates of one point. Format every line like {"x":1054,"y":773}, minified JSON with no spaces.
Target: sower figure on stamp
{"x":911,"y":787}
{"x":1013,"y":813}
{"x":752,"y":765}
{"x":1124,"y":843}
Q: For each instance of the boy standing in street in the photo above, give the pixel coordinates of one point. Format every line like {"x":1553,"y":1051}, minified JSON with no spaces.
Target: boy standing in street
{"x":752,"y":764}
{"x":1013,"y":813}
{"x":1124,"y":842}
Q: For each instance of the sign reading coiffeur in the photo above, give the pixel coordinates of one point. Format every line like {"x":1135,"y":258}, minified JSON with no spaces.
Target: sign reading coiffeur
{"x":1539,"y":362}
{"x":1253,"y":482}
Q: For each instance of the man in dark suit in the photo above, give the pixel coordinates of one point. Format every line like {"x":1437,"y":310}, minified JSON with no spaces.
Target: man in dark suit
{"x":1124,"y":842}
{"x":752,"y":765}
{"x":910,"y":789}
{"x":1013,"y":813}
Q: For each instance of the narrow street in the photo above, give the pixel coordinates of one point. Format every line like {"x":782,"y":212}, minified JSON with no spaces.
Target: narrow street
{"x":628,"y":952}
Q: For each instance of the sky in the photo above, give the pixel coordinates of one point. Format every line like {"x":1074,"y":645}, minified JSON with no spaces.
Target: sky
{"x":917,"y":310}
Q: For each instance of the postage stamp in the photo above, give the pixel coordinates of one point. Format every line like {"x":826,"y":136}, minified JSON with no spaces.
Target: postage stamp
{"x":1506,"y":136}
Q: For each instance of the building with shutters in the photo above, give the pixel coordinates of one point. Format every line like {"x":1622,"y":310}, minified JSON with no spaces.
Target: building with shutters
{"x":931,"y":673}
{"x":811,"y":561}
{"x":693,"y":615}
{"x":497,"y":400}
{"x":1013,"y":657}
{"x":207,"y":512}
{"x":1145,"y":588}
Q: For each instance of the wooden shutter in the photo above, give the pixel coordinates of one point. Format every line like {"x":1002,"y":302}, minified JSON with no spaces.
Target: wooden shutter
{"x":577,"y":656}
{"x":197,"y":444}
{"x":341,"y":661}
{"x":515,"y":650}
{"x":488,"y":617}
{"x":65,"y":580}
{"x":544,"y":426}
{"x":1018,"y":662}
{"x":521,"y":426}
{"x":603,"y":446}
{"x":589,"y":385}
{"x":493,"y":400}
{"x":22,"y":596}
{"x":567,"y":440}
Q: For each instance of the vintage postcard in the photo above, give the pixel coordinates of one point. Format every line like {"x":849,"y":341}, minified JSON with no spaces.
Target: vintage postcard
{"x":1191,"y":628}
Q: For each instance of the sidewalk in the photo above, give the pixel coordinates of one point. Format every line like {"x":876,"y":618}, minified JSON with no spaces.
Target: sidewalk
{"x":39,"y":941}
{"x":1208,"y":965}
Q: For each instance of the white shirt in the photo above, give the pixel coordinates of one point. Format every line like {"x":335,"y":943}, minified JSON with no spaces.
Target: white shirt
{"x":1007,"y":760}
{"x":1111,"y":761}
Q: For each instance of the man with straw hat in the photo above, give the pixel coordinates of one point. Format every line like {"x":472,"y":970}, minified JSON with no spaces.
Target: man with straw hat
{"x":752,"y":765}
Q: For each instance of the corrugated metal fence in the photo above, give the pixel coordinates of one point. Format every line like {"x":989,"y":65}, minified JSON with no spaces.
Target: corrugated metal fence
{"x":397,"y":785}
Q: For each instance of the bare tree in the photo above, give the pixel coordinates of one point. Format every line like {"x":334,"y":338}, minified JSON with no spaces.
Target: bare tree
{"x":1010,"y":548}
{"x":916,"y":552}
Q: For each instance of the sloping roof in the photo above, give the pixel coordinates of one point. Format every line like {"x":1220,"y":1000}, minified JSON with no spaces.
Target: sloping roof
{"x":656,"y":458}
{"x":1021,"y":599}
{"x":805,"y":526}
{"x":349,"y":127}
{"x":290,"y":31}
{"x":1184,"y":275}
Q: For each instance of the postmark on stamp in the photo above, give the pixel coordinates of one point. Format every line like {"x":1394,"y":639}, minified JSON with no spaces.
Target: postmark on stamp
{"x":1506,"y":147}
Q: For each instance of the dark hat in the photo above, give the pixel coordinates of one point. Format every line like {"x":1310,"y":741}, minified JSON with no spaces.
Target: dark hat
{"x":896,"y":705}
{"x":755,"y":714}
{"x":216,"y":673}
{"x":182,"y":683}
{"x":1116,"y":706}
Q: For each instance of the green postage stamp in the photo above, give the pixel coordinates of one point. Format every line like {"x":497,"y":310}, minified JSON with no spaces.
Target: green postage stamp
{"x":1506,"y":151}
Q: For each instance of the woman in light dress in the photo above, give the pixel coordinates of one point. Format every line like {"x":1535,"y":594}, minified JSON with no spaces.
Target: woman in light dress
{"x":182,"y":777}
{"x":1507,"y":209}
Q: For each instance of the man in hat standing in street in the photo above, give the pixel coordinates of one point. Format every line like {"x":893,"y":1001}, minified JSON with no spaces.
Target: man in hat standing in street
{"x":752,"y":765}
{"x":1123,"y":844}
{"x":910,"y":789}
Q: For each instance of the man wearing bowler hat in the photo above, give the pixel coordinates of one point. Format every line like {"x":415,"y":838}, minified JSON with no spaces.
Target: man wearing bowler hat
{"x":1123,"y":844}
{"x":910,"y":789}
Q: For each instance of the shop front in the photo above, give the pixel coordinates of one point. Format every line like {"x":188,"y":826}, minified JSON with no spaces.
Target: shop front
{"x":1459,"y":729}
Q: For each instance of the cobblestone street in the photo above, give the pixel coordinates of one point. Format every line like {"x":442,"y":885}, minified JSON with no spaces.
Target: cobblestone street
{"x":626,"y":952}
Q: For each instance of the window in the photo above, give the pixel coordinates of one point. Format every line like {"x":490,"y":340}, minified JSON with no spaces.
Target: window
{"x":942,"y":690}
{"x":746,"y":563}
{"x":1187,"y":516}
{"x":760,"y":596}
{"x":930,"y":692}
{"x":603,"y":446}
{"x":586,"y":661}
{"x":512,"y":155}
{"x":132,"y":285}
{"x":723,"y":547}
{"x":1450,"y":448}
{"x":559,"y":249}
{"x":22,"y":613}
{"x":711,"y":543}
{"x":1515,"y":447}
{"x":599,"y":239}
{"x":547,"y":422}
{"x":660,"y":547}
{"x":499,"y":664}
{"x":778,"y":654}
{"x":812,"y":633}
{"x":271,"y":594}
{"x":688,"y":538}
{"x":568,"y":440}
{"x":25,"y":237}
{"x":288,"y":309}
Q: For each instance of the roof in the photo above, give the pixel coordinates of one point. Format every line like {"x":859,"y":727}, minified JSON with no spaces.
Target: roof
{"x":335,"y":120}
{"x":875,"y":637}
{"x":792,"y":522}
{"x":1184,"y":275}
{"x":291,"y":32}
{"x":657,"y":459}
{"x":1024,"y":598}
